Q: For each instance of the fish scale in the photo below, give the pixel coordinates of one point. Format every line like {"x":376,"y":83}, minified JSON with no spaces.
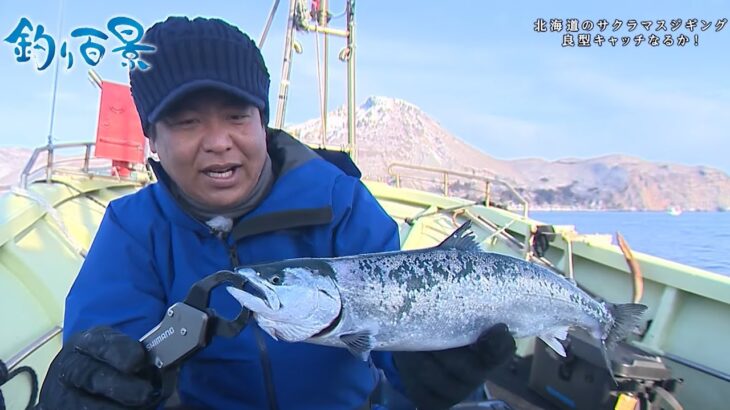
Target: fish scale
{"x":427,"y":299}
{"x":450,"y":296}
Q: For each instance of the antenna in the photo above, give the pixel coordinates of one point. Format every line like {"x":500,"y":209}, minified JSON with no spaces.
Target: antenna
{"x":55,"y":78}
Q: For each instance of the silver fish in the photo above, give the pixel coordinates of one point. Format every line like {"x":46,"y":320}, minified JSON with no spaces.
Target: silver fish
{"x":427,"y":299}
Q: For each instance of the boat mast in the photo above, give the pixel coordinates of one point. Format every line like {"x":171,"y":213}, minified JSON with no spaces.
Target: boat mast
{"x":286,"y":68}
{"x":348,"y":54}
{"x":298,"y":19}
{"x":322,"y":20}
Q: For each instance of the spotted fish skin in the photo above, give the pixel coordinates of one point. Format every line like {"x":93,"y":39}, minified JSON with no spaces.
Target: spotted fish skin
{"x":442,"y":297}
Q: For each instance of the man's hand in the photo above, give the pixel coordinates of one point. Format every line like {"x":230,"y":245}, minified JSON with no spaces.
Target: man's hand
{"x":441,"y":379}
{"x":100,"y":368}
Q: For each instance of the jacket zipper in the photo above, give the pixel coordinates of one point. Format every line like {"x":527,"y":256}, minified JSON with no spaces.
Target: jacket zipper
{"x":233,"y":255}
{"x":260,"y":342}
{"x":235,"y":262}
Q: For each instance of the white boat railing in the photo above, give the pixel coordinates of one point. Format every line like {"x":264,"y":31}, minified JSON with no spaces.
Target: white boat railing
{"x":50,"y":156}
{"x":31,"y":347}
{"x":85,"y":164}
{"x":446,"y":177}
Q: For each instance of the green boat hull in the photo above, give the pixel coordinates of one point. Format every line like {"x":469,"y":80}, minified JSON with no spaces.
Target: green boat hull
{"x":46,"y":230}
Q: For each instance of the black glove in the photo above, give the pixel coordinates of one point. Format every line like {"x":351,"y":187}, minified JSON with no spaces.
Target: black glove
{"x":100,"y":368}
{"x":441,"y":379}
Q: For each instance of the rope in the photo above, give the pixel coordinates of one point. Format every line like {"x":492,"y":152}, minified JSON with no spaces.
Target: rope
{"x":5,"y":376}
{"x":338,"y":15}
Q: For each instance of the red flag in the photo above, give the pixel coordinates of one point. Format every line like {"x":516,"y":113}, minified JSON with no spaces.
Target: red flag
{"x":119,"y":135}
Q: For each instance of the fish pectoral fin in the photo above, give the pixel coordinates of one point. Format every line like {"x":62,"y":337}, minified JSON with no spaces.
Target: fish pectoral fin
{"x":553,"y":338}
{"x":560,"y":333}
{"x":359,"y":343}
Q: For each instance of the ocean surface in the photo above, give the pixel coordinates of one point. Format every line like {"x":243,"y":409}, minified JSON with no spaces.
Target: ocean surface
{"x":699,"y":239}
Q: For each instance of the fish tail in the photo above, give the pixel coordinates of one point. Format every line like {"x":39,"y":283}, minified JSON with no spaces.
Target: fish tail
{"x":625,"y":318}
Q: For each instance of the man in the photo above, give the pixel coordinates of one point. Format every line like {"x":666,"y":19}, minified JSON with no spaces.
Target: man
{"x":231,"y":192}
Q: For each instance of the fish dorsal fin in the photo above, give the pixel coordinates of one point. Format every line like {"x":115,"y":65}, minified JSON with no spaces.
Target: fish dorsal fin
{"x":553,"y":337}
{"x":359,"y":343}
{"x":462,"y":239}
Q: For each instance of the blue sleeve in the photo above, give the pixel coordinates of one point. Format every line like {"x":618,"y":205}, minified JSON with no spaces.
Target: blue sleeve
{"x":118,"y":284}
{"x":365,"y":227}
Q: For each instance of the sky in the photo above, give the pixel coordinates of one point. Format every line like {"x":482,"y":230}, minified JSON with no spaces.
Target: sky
{"x":477,"y":67}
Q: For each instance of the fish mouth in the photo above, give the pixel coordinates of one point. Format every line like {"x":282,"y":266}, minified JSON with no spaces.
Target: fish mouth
{"x":258,"y":294}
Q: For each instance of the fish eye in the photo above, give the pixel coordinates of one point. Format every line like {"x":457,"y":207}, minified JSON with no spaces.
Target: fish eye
{"x":275,"y":280}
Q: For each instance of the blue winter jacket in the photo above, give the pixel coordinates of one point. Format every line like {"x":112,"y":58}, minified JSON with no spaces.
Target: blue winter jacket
{"x":149,"y":251}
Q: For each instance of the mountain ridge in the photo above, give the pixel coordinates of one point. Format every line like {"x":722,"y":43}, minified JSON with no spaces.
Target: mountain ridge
{"x":612,"y":181}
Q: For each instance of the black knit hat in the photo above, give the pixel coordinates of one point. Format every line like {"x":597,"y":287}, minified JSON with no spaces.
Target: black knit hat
{"x":195,"y":54}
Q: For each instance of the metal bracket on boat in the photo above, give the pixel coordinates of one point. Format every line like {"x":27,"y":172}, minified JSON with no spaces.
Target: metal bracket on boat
{"x":638,"y":278}
{"x":543,"y":235}
{"x":188,"y":326}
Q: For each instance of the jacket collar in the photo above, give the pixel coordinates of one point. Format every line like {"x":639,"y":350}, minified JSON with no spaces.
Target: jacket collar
{"x":275,"y":212}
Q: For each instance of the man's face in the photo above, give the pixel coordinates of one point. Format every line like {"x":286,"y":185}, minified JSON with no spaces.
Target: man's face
{"x":213,"y":146}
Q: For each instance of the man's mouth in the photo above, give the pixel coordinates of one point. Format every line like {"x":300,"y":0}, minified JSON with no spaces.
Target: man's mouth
{"x":221,"y":171}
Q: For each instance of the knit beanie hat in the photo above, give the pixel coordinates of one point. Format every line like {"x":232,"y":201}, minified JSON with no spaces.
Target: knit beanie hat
{"x":195,"y":54}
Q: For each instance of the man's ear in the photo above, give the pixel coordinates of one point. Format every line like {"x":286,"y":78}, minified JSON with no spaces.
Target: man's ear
{"x":153,"y":148}
{"x":152,"y":136}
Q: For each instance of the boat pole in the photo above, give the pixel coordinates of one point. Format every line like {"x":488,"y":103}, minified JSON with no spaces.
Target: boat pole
{"x":95,"y":78}
{"x":54,"y":92}
{"x":349,"y":54}
{"x":55,"y":83}
{"x":286,"y":69}
{"x":322,"y":22}
{"x":267,"y":26}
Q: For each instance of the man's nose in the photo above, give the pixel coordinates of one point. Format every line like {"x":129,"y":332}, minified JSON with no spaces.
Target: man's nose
{"x":217,"y":137}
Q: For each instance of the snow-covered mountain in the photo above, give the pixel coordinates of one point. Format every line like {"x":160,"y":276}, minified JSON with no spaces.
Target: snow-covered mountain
{"x":391,"y":130}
